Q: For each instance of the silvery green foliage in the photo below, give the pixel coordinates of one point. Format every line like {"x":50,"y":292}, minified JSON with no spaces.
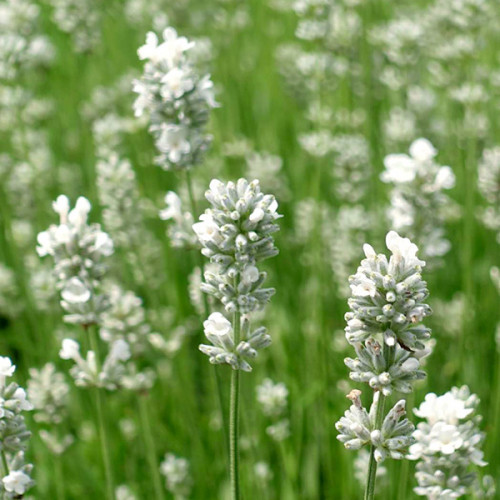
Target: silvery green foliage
{"x":22,"y":47}
{"x":273,"y":400}
{"x":447,"y":445}
{"x":48,"y":391}
{"x":177,"y":99}
{"x":488,"y":182}
{"x":419,"y":205}
{"x":79,"y":250}
{"x":177,"y":476}
{"x":236,"y":234}
{"x":387,"y":301}
{"x":14,"y":435}
{"x":358,"y":428}
{"x":219,"y":331}
{"x":180,"y":229}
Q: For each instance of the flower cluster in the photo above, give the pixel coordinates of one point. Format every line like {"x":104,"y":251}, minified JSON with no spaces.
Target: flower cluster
{"x":48,"y":391}
{"x":273,"y":400}
{"x":86,"y":371}
{"x":488,"y":184}
{"x":125,"y":320}
{"x":387,"y":305}
{"x":79,"y":250}
{"x":419,"y":206}
{"x":13,"y":434}
{"x":177,"y":99}
{"x":123,"y":216}
{"x":180,"y":231}
{"x":177,"y":476}
{"x":21,"y":44}
{"x":236,"y":233}
{"x":224,"y":349}
{"x":80,"y":19}
{"x":388,"y":297}
{"x":358,"y":427}
{"x":447,"y":445}
{"x":384,"y":375}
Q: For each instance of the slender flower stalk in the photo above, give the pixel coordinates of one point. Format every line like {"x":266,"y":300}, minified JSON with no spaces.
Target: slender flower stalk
{"x":387,"y":305}
{"x":236,"y":233}
{"x":234,"y":418}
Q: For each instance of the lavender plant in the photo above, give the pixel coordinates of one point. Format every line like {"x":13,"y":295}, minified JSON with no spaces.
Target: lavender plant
{"x":14,"y":436}
{"x":236,"y":234}
{"x":448,"y":445}
{"x":419,"y":204}
{"x":177,"y":99}
{"x":387,"y":306}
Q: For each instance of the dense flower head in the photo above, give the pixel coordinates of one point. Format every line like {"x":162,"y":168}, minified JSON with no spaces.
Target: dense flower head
{"x":447,"y":444}
{"x":358,"y":428}
{"x":79,"y":250}
{"x":177,"y":99}
{"x":14,"y":435}
{"x":236,"y":233}
{"x":388,"y":297}
{"x":418,"y":199}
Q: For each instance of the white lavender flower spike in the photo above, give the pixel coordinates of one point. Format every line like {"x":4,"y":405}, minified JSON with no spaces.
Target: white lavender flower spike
{"x":447,"y":445}
{"x":388,"y":297}
{"x":387,"y":305}
{"x":419,"y":204}
{"x":14,"y":435}
{"x":79,"y":250}
{"x":236,"y":233}
{"x":177,"y":99}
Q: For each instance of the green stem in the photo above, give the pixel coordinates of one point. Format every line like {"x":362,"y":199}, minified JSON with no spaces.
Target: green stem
{"x":150,"y":446}
{"x":234,"y":418}
{"x":103,"y":438}
{"x":5,"y":464}
{"x":5,"y":467}
{"x":372,"y":466}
